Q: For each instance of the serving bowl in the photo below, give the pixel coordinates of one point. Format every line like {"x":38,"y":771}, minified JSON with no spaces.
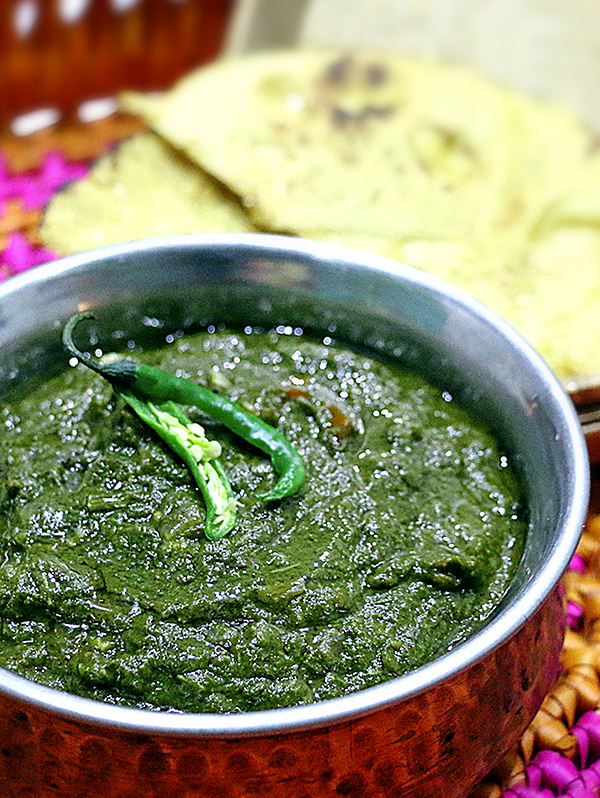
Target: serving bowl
{"x":432,"y":732}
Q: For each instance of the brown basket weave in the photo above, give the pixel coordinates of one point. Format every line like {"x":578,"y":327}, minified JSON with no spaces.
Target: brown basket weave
{"x":54,"y":58}
{"x":50,"y":59}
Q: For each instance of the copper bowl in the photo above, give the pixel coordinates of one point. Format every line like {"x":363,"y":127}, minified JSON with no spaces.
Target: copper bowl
{"x":433,"y":732}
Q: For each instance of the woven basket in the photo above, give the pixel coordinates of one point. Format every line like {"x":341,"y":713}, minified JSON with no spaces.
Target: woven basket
{"x":59,"y":53}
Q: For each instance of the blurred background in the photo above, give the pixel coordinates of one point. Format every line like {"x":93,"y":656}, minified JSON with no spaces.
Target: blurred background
{"x":62,"y":63}
{"x":59,"y":54}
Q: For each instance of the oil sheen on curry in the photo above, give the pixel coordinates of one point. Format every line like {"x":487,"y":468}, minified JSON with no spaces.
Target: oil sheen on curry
{"x":402,"y":538}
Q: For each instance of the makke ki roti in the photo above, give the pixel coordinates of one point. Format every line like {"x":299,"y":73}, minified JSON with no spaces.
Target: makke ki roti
{"x":385,"y":146}
{"x":422,"y":162}
{"x":141,"y":189}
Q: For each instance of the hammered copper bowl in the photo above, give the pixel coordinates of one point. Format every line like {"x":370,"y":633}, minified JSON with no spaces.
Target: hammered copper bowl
{"x":435,"y":731}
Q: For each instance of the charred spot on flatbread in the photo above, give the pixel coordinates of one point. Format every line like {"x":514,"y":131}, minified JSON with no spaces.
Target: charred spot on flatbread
{"x":353,"y":89}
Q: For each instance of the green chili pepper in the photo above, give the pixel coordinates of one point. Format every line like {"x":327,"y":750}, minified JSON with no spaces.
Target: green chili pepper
{"x":153,"y":385}
{"x":189,"y":441}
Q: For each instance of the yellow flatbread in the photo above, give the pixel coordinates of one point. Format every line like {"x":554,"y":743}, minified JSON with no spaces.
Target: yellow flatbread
{"x":144,"y":188}
{"x":547,"y":287}
{"x":422,"y":162}
{"x":377,"y":144}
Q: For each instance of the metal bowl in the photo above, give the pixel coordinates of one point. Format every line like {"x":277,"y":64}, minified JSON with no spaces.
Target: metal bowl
{"x":432,"y":732}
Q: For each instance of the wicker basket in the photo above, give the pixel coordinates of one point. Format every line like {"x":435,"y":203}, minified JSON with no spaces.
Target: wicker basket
{"x":57,"y":54}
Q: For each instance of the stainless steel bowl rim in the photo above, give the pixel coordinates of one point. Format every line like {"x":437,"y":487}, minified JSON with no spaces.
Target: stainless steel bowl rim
{"x":393,"y":691}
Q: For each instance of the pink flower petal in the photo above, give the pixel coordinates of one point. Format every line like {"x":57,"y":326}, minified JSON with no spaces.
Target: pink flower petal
{"x":78,"y":171}
{"x":525,"y":791}
{"x":13,"y":187}
{"x":580,"y":791}
{"x":574,"y":614}
{"x":17,"y":254}
{"x":42,"y":255}
{"x":36,"y":195}
{"x":577,"y":564}
{"x":20,"y":255}
{"x":583,"y":744}
{"x":55,"y":171}
{"x":589,"y":722}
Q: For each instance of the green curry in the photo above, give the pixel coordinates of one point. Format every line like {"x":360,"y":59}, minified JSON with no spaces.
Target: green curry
{"x":400,"y":542}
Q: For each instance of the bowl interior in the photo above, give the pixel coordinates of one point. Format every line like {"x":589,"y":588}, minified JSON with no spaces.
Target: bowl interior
{"x":150,"y":289}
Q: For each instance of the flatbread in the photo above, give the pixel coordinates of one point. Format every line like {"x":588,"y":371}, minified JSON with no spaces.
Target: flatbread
{"x":425,"y":163}
{"x":377,"y":144}
{"x":143,"y":188}
{"x":547,"y":287}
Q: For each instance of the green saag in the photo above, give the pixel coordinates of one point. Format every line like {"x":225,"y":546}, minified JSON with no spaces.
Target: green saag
{"x":401,"y":541}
